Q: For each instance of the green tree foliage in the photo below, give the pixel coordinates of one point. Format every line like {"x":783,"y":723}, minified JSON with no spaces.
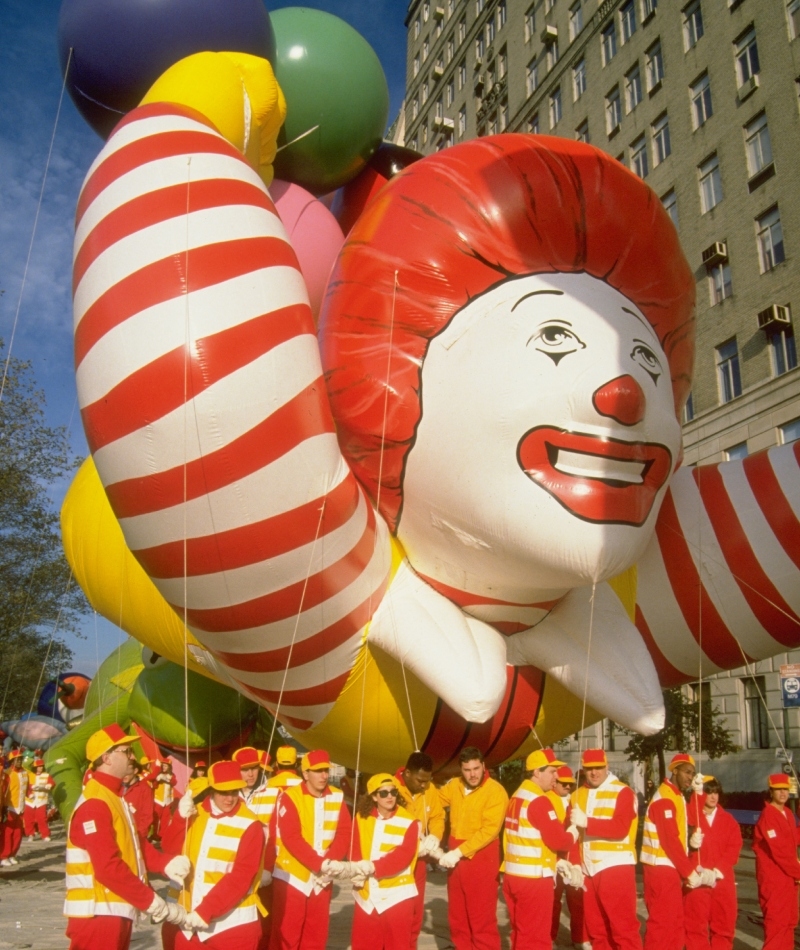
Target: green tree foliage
{"x":689,"y":726}
{"x":39,"y":602}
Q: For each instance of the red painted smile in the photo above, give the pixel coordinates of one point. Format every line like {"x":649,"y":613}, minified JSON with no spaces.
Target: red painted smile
{"x":606,"y":481}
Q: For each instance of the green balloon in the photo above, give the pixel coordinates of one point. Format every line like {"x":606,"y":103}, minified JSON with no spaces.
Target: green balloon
{"x":334,"y":85}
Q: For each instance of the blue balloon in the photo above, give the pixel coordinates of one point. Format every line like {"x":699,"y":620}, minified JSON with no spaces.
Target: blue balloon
{"x":120,"y":47}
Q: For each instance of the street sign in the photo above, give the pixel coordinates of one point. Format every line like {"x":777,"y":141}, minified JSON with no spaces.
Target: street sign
{"x":787,"y":769}
{"x":785,"y":755}
{"x":790,"y":685}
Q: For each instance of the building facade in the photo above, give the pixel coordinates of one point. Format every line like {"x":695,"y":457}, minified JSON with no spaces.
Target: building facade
{"x":701,"y":100}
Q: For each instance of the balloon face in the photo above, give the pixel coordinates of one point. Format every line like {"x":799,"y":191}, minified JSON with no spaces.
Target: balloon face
{"x":546,"y":440}
{"x":336,"y":95}
{"x":119,"y":49}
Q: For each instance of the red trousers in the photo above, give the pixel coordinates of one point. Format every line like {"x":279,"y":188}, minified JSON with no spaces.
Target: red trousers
{"x":244,"y":937}
{"x":12,"y":835}
{"x":609,"y":905}
{"x":418,"y":903}
{"x":777,"y":895}
{"x":472,"y":900}
{"x":577,"y":924}
{"x":99,"y":933}
{"x":710,"y":916}
{"x":530,"y":911}
{"x":663,"y":896}
{"x":386,"y":931}
{"x":299,"y":922}
{"x":265,"y":896}
{"x":162,"y":815}
{"x":34,"y":817}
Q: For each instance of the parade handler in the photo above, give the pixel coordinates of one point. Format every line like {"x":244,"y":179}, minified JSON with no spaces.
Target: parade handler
{"x":138,"y":795}
{"x":385,"y":846}
{"x":224,"y":841}
{"x":775,"y":842}
{"x":311,"y":828}
{"x":16,"y":789}
{"x":666,"y":860}
{"x":37,"y":801}
{"x":715,"y":842}
{"x":564,"y":785}
{"x":532,"y":836}
{"x":605,"y":811}
{"x":424,"y":804}
{"x":254,"y":765}
{"x":107,"y":860}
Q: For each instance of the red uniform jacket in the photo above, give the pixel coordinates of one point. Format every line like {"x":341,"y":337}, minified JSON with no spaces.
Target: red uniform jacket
{"x":662,"y":814}
{"x":775,"y":843}
{"x":139,"y":796}
{"x":722,"y":839}
{"x":542,"y":816}
{"x":292,"y":836}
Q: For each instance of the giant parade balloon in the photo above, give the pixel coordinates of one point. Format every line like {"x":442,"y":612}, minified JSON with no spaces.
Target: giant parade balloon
{"x":454,"y":515}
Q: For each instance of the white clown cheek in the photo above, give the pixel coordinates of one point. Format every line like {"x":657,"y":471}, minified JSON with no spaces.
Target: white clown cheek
{"x":472,"y":517}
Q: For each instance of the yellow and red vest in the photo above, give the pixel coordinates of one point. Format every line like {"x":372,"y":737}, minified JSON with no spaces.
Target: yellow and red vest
{"x":652,"y":852}
{"x":212,"y":843}
{"x":86,"y":896}
{"x":526,"y":854}
{"x":38,"y":792}
{"x":17,"y":789}
{"x":163,"y":792}
{"x":597,"y":854}
{"x":263,"y":799}
{"x":319,"y":818}
{"x":378,"y":837}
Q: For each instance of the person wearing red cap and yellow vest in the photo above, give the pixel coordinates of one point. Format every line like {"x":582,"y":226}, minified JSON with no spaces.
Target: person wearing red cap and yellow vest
{"x":163,"y":783}
{"x":665,"y":856}
{"x":16,"y":789}
{"x":311,"y":829}
{"x":716,"y":841}
{"x":224,"y":842}
{"x":563,"y":787}
{"x":532,"y":837}
{"x":775,"y":842}
{"x":385,"y":842}
{"x":423,"y":803}
{"x":254,"y":766}
{"x":138,"y":795}
{"x":37,"y":799}
{"x":107,"y":860}
{"x":477,"y":806}
{"x":605,"y":812}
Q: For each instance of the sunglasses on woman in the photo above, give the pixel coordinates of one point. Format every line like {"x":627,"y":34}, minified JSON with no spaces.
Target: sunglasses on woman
{"x":386,"y":792}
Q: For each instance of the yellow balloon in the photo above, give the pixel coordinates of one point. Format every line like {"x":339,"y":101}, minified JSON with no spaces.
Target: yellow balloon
{"x":238,"y":93}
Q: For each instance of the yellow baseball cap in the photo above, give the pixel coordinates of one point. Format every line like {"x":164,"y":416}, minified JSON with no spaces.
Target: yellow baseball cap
{"x":106,"y":739}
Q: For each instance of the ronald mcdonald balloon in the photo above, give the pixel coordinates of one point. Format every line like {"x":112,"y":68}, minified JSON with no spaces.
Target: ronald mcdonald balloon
{"x":456,"y":513}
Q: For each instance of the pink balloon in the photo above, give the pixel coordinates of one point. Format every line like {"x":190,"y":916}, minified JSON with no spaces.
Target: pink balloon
{"x":315,"y":235}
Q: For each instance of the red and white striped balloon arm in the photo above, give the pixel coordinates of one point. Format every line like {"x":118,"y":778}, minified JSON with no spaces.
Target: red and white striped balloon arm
{"x":205,"y":408}
{"x":719,"y":583}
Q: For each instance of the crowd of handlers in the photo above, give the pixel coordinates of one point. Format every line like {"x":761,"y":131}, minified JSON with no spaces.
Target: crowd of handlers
{"x":252,"y":853}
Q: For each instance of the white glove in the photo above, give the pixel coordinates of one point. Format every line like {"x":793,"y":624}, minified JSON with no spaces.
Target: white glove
{"x":573,"y":830}
{"x":186,"y":805}
{"x":158,"y":909}
{"x":266,"y":878}
{"x":178,"y":868}
{"x":696,"y":839}
{"x":575,"y":876}
{"x":367,"y":868}
{"x":708,"y":877}
{"x":428,"y":844}
{"x":194,"y":922}
{"x":697,"y":783}
{"x":694,"y":880}
{"x":357,"y":879}
{"x":451,"y":859}
{"x":175,"y":915}
{"x":437,"y":854}
{"x":333,"y":869}
{"x":562,"y":869}
{"x":577,"y":817}
{"x":718,"y":874}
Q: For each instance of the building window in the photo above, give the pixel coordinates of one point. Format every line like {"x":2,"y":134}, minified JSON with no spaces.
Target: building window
{"x":633,"y":88}
{"x":413,"y":144}
{"x":579,"y":79}
{"x":437,"y":30}
{"x":720,"y":283}
{"x":551,"y":53}
{"x":451,"y":8}
{"x":424,"y":134}
{"x":639,"y":156}
{"x":416,"y":65}
{"x":417,"y":27}
{"x":531,"y":77}
{"x":414,"y":107}
{"x":462,"y":74}
{"x":533,"y":124}
{"x":700,"y":92}
{"x":728,"y":377}
{"x":503,"y":115}
{"x":426,"y":48}
{"x":555,"y":107}
{"x":784,"y":353}
{"x":790,"y":431}
{"x":627,"y":17}
{"x":655,"y":66}
{"x":490,"y":31}
{"x":670,"y":203}
{"x":736,"y":452}
{"x":462,"y":121}
{"x":609,"y":42}
{"x":438,"y":108}
{"x":426,"y":11}
{"x":688,"y":409}
{"x":502,"y":14}
{"x":710,"y":183}
{"x":582,"y":132}
{"x":793,"y":12}
{"x":480,"y":47}
{"x":462,"y":30}
{"x":692,"y":24}
{"x":757,"y":144}
{"x":770,"y":239}
{"x":451,"y":49}
{"x":747,"y":64}
{"x":648,"y":8}
{"x":755,"y":713}
{"x":529,"y":25}
{"x":450,"y":92}
{"x":479,"y":5}
{"x":661,"y":143}
{"x":425,"y":91}
{"x":613,"y":111}
{"x":576,"y":19}
{"x":502,"y":63}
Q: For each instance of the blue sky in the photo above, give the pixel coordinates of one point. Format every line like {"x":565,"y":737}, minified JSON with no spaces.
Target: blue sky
{"x":31,"y":84}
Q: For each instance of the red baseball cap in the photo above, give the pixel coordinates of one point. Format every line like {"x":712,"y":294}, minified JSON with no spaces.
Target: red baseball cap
{"x":226,"y":776}
{"x":565,"y":776}
{"x":681,"y":758}
{"x":779,"y":780}
{"x":594,"y":759}
{"x":314,"y":760}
